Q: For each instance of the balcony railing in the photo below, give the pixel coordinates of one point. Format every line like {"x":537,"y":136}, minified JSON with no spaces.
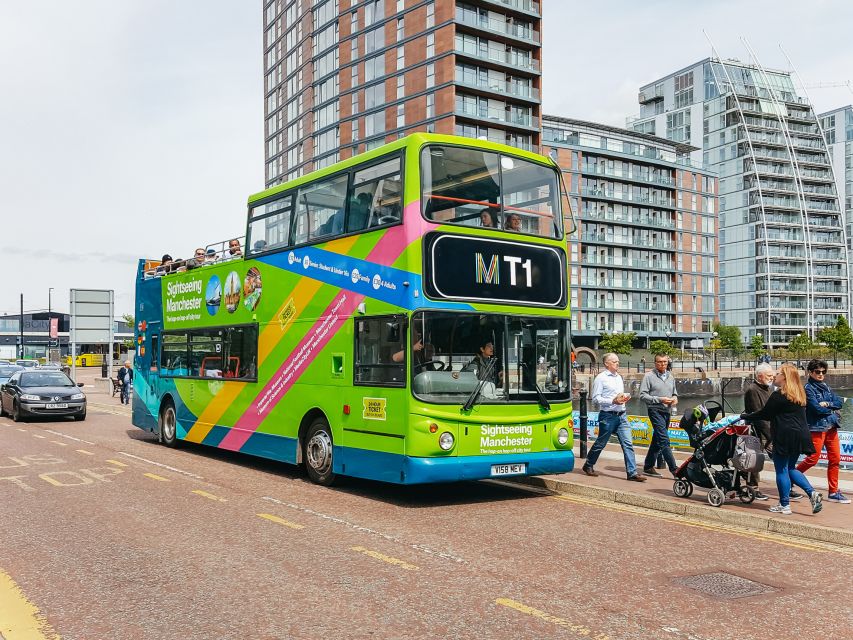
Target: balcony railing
{"x":630,"y":219}
{"x":506,"y":88}
{"x":501,"y":57}
{"x":501,"y":27}
{"x":491,"y":113}
{"x":609,"y":238}
{"x":531,"y":6}
{"x":601,"y":170}
{"x":628,"y":197}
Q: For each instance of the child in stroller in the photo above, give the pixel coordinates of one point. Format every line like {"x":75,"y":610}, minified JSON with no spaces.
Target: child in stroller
{"x":724,"y":453}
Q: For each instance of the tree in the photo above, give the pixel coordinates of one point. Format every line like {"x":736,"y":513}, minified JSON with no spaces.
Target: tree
{"x":129,"y":320}
{"x":729,"y":337}
{"x":800,"y":345}
{"x":662,"y":347}
{"x":756,"y":346}
{"x":837,"y":338}
{"x":621,"y":343}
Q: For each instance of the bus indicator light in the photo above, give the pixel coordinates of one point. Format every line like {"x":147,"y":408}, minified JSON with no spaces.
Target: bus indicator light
{"x":346,"y":409}
{"x":433,"y":428}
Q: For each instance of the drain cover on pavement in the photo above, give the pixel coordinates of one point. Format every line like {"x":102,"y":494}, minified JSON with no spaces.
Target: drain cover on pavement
{"x":724,"y":585}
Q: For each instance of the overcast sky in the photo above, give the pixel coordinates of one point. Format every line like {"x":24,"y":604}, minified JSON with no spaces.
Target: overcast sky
{"x":130,"y":128}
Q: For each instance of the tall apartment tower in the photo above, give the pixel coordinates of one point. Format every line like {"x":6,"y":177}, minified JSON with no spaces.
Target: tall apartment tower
{"x":344,"y":76}
{"x":837,"y":126}
{"x":783,"y":266}
{"x":645,"y":255}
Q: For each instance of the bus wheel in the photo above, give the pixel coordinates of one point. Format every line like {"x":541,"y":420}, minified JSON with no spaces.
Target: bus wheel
{"x":318,"y":452}
{"x":168,"y":425}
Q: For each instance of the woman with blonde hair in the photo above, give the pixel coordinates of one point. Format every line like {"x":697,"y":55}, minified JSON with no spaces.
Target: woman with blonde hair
{"x":786,"y":411}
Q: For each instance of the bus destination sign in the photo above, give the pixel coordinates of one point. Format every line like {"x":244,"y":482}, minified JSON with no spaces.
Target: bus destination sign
{"x":498,"y":271}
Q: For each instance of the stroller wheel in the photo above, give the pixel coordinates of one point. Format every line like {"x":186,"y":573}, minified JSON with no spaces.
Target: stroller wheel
{"x":681,"y":488}
{"x":716,"y":497}
{"x":746,"y":495}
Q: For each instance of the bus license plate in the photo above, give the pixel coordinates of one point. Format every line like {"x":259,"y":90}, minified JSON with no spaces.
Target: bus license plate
{"x":56,"y":406}
{"x":509,"y":469}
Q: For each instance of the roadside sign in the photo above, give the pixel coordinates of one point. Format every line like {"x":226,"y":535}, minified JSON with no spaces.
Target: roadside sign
{"x":53,"y":343}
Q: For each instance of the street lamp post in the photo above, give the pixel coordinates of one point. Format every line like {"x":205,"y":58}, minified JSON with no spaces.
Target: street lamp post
{"x":714,"y":347}
{"x":49,"y":323}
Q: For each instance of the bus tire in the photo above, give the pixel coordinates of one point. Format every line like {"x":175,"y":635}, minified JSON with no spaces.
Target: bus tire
{"x":168,"y":425}
{"x":318,"y":452}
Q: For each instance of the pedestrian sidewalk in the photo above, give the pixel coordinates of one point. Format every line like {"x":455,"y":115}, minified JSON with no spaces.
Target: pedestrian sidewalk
{"x":833,"y":524}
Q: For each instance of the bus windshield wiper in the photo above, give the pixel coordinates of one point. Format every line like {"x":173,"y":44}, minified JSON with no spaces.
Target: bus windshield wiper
{"x":543,"y":401}
{"x":472,"y":399}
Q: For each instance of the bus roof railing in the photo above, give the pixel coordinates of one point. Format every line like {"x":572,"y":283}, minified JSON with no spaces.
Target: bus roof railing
{"x":215,"y":253}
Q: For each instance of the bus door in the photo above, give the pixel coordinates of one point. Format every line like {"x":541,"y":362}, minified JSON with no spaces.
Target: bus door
{"x":148,"y":368}
{"x":378,"y":398}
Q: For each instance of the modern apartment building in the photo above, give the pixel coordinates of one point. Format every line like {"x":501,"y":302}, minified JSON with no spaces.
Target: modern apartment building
{"x":644,"y":257}
{"x":343,"y":76}
{"x":837,"y":126}
{"x":783,"y":266}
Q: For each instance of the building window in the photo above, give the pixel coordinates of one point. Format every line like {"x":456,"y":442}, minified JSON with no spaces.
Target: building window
{"x":373,"y":12}
{"x":374,"y":68}
{"x":400,"y":29}
{"x":374,"y":40}
{"x":353,"y":27}
{"x":355,"y":133}
{"x":401,"y":116}
{"x":374,"y":96}
{"x":354,"y":48}
{"x":430,"y":45}
{"x":430,"y":15}
{"x":430,"y":105}
{"x":374,"y":123}
{"x":354,"y":79}
{"x":355,"y":102}
{"x":401,"y":4}
{"x":401,"y":58}
{"x":401,"y":86}
{"x":430,"y":75}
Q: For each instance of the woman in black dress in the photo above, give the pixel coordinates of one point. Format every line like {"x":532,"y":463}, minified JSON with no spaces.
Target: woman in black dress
{"x":786,"y":411}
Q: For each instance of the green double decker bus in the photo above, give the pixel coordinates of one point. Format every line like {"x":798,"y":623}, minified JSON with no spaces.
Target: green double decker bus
{"x":399,"y":316}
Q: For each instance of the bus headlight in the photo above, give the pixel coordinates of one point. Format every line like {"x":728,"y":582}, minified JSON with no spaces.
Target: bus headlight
{"x":563,"y":436}
{"x":445,"y":441}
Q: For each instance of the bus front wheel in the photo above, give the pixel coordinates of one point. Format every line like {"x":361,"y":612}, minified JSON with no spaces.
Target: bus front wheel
{"x":318,"y":452}
{"x":168,"y":425}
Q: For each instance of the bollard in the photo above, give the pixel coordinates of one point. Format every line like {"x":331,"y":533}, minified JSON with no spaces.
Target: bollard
{"x":583,"y":422}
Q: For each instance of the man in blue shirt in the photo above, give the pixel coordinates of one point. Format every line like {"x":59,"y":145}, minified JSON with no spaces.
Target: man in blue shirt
{"x":608,"y":392}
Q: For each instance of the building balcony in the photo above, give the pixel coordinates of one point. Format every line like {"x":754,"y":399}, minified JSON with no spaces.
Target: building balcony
{"x":500,"y":59}
{"x":800,"y":116}
{"x":820,"y":205}
{"x":650,"y":95}
{"x":601,"y":170}
{"x":497,"y":89}
{"x":816,"y":175}
{"x":823,"y":287}
{"x":832,"y":222}
{"x":656,"y":265}
{"x":612,"y":305}
{"x":804,"y":129}
{"x":810,"y":159}
{"x":510,"y":31}
{"x":497,"y":116}
{"x":611,"y":239}
{"x":607,"y":194}
{"x":778,"y":236}
{"x":527,"y":7}
{"x":640,"y":220}
{"x":797,"y":254}
{"x":824,"y":238}
{"x":617,"y":283}
{"x":828,"y":256}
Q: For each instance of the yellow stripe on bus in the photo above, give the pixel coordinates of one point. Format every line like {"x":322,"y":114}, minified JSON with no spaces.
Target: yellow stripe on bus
{"x":272,"y":334}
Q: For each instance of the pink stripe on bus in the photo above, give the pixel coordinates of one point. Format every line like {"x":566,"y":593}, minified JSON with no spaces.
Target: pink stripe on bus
{"x":387,"y":250}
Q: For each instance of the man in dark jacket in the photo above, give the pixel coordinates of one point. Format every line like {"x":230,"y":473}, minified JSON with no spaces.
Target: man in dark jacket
{"x":822,"y":416}
{"x":754,"y":399}
{"x":125,"y":378}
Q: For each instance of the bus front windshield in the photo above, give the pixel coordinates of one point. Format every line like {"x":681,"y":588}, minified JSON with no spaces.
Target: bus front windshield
{"x":512,"y":355}
{"x":478,"y":188}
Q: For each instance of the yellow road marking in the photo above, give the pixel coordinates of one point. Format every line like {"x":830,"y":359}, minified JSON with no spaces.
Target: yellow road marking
{"x":61,"y":444}
{"x":281,"y":521}
{"x":84,"y":452}
{"x":388,"y":559}
{"x":36,"y":435}
{"x":579,"y":629}
{"x":21,"y":618}
{"x":209,"y":496}
{"x":117,"y":463}
{"x":154,"y":476}
{"x":734,"y":530}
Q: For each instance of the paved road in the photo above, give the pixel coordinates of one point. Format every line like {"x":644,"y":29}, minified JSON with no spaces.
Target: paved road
{"x":111,"y":535}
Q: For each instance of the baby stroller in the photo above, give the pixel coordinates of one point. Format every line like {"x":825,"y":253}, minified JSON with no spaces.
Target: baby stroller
{"x":723,"y":454}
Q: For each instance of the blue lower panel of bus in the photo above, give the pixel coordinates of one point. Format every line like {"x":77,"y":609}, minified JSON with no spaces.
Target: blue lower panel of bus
{"x":388,"y":467}
{"x":264,"y":445}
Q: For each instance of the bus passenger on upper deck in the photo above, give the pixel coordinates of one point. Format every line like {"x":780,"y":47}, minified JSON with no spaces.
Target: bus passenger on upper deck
{"x":513,"y":222}
{"x":234,"y":251}
{"x":486,"y":219}
{"x":165,"y":266}
{"x":197,"y":260}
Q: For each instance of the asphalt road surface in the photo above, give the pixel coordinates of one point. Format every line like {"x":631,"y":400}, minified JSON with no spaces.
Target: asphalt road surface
{"x":107,"y":534}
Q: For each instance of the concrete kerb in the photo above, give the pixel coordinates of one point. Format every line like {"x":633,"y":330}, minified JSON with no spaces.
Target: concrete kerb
{"x":710,"y":514}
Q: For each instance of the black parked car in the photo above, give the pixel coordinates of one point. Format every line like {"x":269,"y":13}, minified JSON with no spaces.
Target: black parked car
{"x":37,"y":393}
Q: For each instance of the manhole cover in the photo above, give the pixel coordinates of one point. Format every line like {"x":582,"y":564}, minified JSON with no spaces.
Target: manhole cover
{"x":724,"y":585}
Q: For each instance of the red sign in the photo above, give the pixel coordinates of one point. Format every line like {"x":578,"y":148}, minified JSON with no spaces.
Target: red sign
{"x":54,"y":327}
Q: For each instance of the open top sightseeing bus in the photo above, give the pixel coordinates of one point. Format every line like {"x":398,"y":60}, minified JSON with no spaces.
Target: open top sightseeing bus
{"x":400,"y":316}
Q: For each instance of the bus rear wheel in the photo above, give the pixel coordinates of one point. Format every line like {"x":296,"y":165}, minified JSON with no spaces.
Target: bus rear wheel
{"x":168,"y":425}
{"x":319,"y":452}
